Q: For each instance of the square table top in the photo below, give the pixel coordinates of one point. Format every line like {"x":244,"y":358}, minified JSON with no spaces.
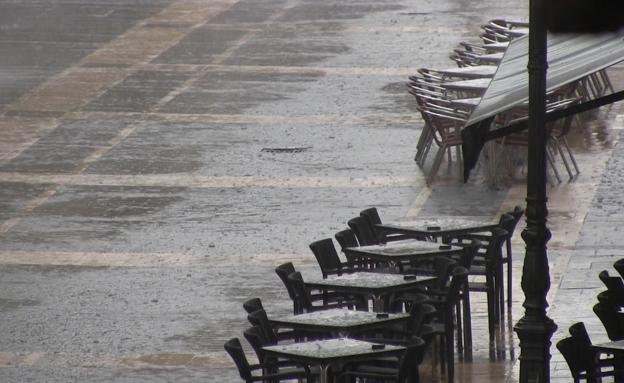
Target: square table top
{"x":438,"y":226}
{"x":332,"y":350}
{"x":369,"y":281}
{"x":339,"y":320}
{"x":404,"y":250}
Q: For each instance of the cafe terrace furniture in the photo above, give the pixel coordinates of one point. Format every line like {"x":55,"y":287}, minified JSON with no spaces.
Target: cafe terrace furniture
{"x":252,"y":305}
{"x":453,"y":305}
{"x":303,"y":296}
{"x":328,"y":259}
{"x":372,"y":218}
{"x":436,"y":228}
{"x":332,"y":352}
{"x":406,"y":252}
{"x":612,"y":319}
{"x":375,"y":285}
{"x":279,"y":371}
{"x":405,"y":370}
{"x":619,"y":266}
{"x":346,"y":238}
{"x":339,"y":322}
{"x":316,"y":300}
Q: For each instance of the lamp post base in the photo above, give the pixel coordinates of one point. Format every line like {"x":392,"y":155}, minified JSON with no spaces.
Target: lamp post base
{"x":534,"y":335}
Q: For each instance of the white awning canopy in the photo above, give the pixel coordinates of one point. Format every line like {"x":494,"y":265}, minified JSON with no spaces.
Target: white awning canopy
{"x":570,"y":57}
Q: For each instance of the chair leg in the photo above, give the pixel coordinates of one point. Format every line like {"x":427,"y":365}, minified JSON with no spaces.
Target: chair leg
{"x":509,"y":274}
{"x":450,"y":349}
{"x":460,"y":331}
{"x":551,"y":161}
{"x":555,"y":142}
{"x":572,"y":159}
{"x":467,"y":325}
{"x":436,"y":164}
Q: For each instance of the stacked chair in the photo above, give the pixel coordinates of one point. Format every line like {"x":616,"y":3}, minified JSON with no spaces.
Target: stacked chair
{"x":445,"y":110}
{"x":587,"y":363}
{"x":439,"y":320}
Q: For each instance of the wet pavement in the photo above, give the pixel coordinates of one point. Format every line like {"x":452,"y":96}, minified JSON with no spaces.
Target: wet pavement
{"x":158,"y":160}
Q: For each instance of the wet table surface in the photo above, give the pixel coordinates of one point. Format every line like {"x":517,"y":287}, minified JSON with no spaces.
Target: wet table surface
{"x":329,"y":351}
{"x":373,"y":284}
{"x":438,"y":227}
{"x":339,"y":320}
{"x":407,"y":250}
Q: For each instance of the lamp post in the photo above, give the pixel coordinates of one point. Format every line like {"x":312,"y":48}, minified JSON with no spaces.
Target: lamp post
{"x":535,"y":328}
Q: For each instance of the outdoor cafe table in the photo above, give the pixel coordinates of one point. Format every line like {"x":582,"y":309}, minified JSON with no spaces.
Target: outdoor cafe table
{"x":435,"y":228}
{"x":394,"y":253}
{"x":376,"y":285}
{"x":324,"y":353}
{"x":338,"y":321}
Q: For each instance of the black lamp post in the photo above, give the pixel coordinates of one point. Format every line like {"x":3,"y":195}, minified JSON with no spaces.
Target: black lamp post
{"x":535,"y":328}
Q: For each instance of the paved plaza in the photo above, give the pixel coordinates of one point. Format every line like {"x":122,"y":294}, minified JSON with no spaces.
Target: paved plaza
{"x":159,"y":158}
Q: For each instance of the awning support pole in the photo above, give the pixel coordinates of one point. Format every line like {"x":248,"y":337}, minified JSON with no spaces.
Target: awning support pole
{"x":535,"y":328}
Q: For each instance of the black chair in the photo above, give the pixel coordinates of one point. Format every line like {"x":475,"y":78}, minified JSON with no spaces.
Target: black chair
{"x":619,"y":267}
{"x":363,"y":232}
{"x":583,"y":360}
{"x":306,"y":302}
{"x":346,"y":238}
{"x":454,"y":314}
{"x":613,"y":284}
{"x":256,"y":337}
{"x":252,"y":305}
{"x":492,"y":283}
{"x":328,"y":259}
{"x":406,"y":370}
{"x":283,"y":271}
{"x":612,"y":320}
{"x":371,"y":216}
{"x":280,"y":370}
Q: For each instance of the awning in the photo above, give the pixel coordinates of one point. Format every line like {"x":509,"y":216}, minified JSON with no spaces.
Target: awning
{"x":570,"y":58}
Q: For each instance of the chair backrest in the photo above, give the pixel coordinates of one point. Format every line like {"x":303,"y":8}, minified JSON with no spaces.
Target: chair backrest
{"x":506,"y":221}
{"x":346,"y":238}
{"x":468,"y":253}
{"x":326,"y":256}
{"x":614,"y":284}
{"x":612,"y":320}
{"x":234,"y":348}
{"x":442,"y":268}
{"x":585,"y":349}
{"x":494,"y":251}
{"x":619,"y":266}
{"x":407,"y":367}
{"x":459,"y":281}
{"x":256,"y":338}
{"x":252,"y":305}
{"x":371,"y":216}
{"x":568,"y":347}
{"x":283,"y":271}
{"x":420,"y":314}
{"x":302,"y":295}
{"x":362,"y":231}
{"x":517,"y":213}
{"x":259,"y":318}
